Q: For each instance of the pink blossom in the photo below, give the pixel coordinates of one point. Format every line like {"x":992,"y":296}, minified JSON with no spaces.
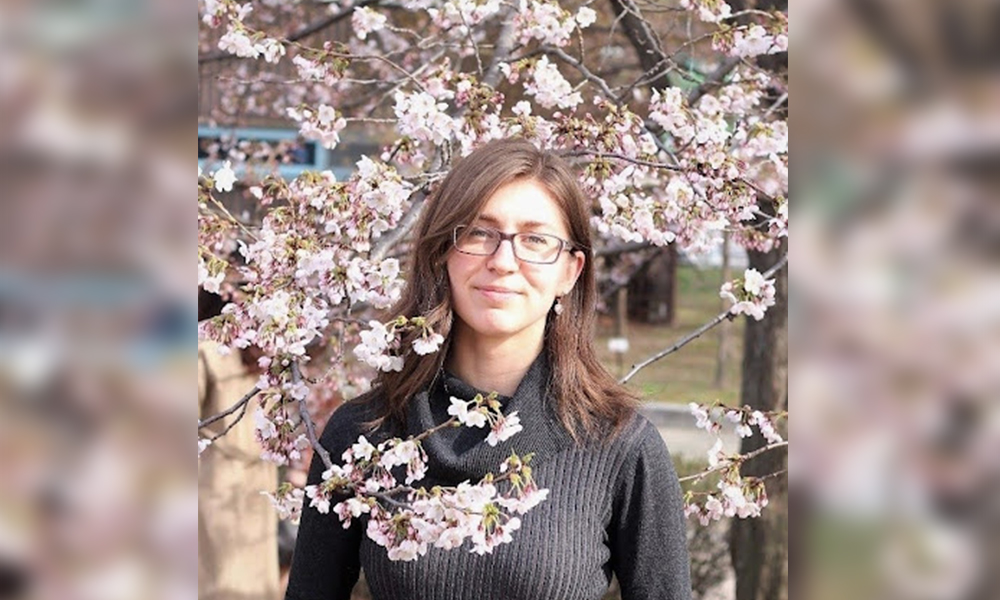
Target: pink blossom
{"x":484,"y":539}
{"x":714,"y":509}
{"x":702,"y":419}
{"x":546,"y":21}
{"x":287,"y":504}
{"x":503,"y":428}
{"x":264,"y":426}
{"x":423,"y":117}
{"x":710,"y":11}
{"x":351,"y":508}
{"x":470,"y":418}
{"x":319,"y":499}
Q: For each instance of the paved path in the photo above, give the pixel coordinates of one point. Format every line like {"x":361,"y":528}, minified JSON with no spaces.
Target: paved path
{"x":677,"y":426}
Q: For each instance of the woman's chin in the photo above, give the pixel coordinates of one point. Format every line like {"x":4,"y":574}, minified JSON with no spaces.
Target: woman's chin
{"x":501,"y":328}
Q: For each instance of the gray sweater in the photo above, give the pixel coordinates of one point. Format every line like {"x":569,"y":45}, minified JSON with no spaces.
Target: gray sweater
{"x":612,"y":508}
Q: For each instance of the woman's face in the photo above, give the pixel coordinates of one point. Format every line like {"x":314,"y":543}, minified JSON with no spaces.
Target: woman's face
{"x":499,"y":297}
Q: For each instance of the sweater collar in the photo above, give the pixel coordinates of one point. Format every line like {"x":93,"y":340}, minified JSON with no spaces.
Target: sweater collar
{"x":461,"y":453}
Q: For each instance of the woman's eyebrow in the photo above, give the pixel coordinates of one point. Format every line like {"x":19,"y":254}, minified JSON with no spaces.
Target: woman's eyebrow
{"x":490,"y":220}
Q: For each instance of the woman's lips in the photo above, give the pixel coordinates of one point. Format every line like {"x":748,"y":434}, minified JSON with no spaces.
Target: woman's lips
{"x":496,"y":293}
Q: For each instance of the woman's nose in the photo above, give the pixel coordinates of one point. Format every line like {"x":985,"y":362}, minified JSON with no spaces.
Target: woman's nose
{"x":503,"y":258}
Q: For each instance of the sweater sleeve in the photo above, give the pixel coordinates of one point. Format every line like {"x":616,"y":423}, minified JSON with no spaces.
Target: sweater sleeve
{"x":648,"y":535}
{"x":326,"y":563}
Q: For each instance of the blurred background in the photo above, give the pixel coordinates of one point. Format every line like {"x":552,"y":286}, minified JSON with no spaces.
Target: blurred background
{"x":894,"y":319}
{"x":97,"y":308}
{"x":894,"y":315}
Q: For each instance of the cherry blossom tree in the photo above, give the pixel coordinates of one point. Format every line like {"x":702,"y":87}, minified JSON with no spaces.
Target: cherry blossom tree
{"x":677,"y":133}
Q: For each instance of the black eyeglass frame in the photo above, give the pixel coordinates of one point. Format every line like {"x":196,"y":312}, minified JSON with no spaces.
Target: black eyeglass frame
{"x":564,"y":245}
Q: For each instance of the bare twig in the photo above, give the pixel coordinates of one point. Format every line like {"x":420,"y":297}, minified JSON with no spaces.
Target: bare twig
{"x":714,"y":78}
{"x":231,"y":217}
{"x":222,"y":415}
{"x":579,"y":66}
{"x":379,"y":58}
{"x":777,"y":103}
{"x":310,"y":427}
{"x":239,"y":417}
{"x":643,"y":37}
{"x":636,"y":161}
{"x":698,"y":332}
{"x":770,"y":475}
{"x":472,"y":40}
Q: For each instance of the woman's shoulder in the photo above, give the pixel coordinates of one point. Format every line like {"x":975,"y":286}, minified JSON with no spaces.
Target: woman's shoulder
{"x":640,"y":440}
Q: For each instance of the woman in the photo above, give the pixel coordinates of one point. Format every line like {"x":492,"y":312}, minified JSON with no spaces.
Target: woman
{"x":502,"y":269}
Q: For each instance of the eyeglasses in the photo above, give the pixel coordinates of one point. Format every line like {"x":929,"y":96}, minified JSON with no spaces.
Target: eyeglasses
{"x":537,"y":248}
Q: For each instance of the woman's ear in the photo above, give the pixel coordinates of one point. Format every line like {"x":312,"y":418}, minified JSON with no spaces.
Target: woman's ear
{"x":574,"y":268}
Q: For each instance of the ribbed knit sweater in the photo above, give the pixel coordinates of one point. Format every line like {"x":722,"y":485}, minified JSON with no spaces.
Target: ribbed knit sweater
{"x":613,"y":507}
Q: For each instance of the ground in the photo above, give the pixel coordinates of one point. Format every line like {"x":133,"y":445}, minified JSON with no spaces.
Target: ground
{"x":687,"y":375}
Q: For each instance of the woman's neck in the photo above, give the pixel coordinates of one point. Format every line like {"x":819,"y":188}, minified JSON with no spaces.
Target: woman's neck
{"x":489,"y":365}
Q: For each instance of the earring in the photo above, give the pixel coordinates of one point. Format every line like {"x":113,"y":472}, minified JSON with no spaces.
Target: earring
{"x":558,"y":308}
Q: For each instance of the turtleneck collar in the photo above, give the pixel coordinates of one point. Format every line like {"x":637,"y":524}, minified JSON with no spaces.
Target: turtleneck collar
{"x":461,"y":453}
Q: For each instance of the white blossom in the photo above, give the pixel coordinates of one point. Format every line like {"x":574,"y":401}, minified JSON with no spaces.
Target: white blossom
{"x":264,"y":426}
{"x":715,"y":454}
{"x":429,"y":344}
{"x":236,"y":41}
{"x":224,"y":178}
{"x":586,"y":16}
{"x":550,"y":88}
{"x":365,"y":21}
{"x":363,"y":449}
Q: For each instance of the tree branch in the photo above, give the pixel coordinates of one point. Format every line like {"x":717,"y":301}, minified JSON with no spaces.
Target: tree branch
{"x":241,"y":402}
{"x":698,"y":332}
{"x":714,"y":78}
{"x":636,"y":161}
{"x":238,"y":418}
{"x":739,"y":460}
{"x":310,"y":428}
{"x":390,"y":239}
{"x":298,"y":35}
{"x":579,"y":66}
{"x":643,"y":38}
{"x":504,"y":46}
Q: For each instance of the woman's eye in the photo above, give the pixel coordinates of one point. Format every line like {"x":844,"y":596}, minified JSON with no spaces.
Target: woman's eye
{"x":536,"y":240}
{"x":479,"y":233}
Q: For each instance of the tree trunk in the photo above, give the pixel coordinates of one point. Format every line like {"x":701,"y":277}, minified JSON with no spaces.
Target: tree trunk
{"x":652,"y":292}
{"x":759,"y":547}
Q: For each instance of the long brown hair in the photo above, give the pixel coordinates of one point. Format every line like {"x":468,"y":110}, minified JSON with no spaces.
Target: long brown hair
{"x":588,"y":400}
